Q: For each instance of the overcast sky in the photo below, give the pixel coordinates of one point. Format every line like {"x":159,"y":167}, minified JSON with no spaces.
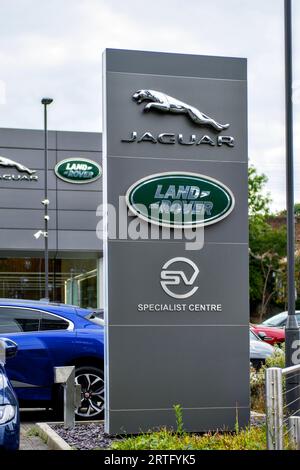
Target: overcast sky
{"x":54,"y":48}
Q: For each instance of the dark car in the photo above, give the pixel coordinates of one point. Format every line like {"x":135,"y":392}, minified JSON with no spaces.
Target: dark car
{"x":9,"y":408}
{"x":52,"y":335}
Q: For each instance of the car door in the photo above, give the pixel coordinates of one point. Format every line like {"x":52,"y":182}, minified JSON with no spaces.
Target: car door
{"x":31,"y":371}
{"x":58,"y":336}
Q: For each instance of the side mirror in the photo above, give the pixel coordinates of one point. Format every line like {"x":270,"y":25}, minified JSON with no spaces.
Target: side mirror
{"x":262,"y":335}
{"x":8,"y":348}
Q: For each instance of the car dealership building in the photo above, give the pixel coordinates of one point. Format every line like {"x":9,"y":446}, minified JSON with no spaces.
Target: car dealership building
{"x":75,"y":252}
{"x":169,"y":169}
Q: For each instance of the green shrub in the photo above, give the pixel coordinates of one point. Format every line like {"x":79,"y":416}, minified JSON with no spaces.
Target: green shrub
{"x":257,"y":379}
{"x":277,"y":359}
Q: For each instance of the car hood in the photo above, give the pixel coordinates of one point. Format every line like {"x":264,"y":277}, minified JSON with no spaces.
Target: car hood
{"x":260,"y":350}
{"x":273,"y":330}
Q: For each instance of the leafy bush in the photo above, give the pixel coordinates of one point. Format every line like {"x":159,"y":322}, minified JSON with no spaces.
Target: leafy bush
{"x":277,"y":359}
{"x":257,"y":379}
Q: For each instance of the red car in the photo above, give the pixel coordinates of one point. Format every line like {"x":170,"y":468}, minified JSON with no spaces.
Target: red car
{"x":269,"y":334}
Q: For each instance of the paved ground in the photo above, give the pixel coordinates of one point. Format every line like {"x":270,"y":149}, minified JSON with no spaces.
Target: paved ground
{"x":29,"y":441}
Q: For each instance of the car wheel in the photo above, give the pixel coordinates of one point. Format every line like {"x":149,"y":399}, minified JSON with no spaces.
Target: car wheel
{"x":91,"y":380}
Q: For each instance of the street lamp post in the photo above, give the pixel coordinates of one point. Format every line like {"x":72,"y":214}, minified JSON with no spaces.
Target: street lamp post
{"x":292,"y":327}
{"x":45,"y":202}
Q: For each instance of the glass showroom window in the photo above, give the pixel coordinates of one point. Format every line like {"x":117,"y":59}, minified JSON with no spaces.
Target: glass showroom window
{"x":71,"y":281}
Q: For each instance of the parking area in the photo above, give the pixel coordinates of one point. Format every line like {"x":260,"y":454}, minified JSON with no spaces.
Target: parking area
{"x":29,"y":440}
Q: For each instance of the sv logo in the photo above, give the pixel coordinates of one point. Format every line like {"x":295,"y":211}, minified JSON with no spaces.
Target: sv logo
{"x":172,"y":277}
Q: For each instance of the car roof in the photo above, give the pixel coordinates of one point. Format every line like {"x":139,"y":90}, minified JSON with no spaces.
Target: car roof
{"x":282,"y":314}
{"x":41,"y":304}
{"x":36,"y":303}
{"x":54,"y":307}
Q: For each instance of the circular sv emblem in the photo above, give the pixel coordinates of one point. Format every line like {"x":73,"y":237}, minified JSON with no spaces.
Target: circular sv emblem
{"x":173,"y":277}
{"x":78,"y":170}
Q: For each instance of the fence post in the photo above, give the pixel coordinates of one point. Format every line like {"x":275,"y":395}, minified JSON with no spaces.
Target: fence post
{"x":294,"y":427}
{"x":274,"y":408}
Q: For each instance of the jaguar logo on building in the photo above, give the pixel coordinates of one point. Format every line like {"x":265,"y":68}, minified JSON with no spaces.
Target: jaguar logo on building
{"x":170,"y":276}
{"x":167,"y":104}
{"x":160,"y":102}
{"x":180,"y":200}
{"x":78,"y":170}
{"x":8,"y":176}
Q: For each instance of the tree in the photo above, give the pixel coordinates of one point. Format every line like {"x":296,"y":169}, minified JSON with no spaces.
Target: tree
{"x":267,"y":245}
{"x":267,"y":248}
{"x":281,"y":282}
{"x":258,"y":201}
{"x":296,"y":210}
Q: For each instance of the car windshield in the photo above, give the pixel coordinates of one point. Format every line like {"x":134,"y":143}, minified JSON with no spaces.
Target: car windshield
{"x":277,"y":320}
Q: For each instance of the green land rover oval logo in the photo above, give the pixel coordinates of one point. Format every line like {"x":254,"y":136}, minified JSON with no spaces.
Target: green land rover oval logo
{"x":78,"y":170}
{"x":180,"y":200}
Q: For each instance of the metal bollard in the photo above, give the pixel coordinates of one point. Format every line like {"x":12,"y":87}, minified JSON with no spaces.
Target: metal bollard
{"x":72,"y":393}
{"x":294,"y":427}
{"x":274,"y":408}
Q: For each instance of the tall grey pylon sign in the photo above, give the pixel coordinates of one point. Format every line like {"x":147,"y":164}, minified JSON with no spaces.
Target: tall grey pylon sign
{"x":175,"y":163}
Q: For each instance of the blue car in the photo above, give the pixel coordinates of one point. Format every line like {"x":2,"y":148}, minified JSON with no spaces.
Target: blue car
{"x":52,"y":335}
{"x":9,"y":408}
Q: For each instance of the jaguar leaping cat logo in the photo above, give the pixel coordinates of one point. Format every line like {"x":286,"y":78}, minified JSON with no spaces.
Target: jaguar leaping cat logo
{"x":11,"y":163}
{"x":164,"y":103}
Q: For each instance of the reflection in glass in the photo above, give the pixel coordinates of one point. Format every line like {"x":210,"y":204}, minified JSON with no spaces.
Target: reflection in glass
{"x":71,"y":281}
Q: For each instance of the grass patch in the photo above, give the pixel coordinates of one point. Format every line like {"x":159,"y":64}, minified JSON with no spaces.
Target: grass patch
{"x":251,"y":438}
{"x":248,"y":439}
{"x":33,"y":432}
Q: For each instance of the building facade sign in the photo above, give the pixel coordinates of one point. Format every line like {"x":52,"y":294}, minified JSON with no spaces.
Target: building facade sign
{"x":22,"y":172}
{"x":78,"y":170}
{"x":180,"y":200}
{"x":177,"y":318}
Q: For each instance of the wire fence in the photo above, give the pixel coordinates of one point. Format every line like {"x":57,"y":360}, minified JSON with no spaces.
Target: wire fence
{"x":283,"y":408}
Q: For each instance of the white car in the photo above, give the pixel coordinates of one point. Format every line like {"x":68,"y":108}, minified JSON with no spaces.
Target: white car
{"x":259,"y":350}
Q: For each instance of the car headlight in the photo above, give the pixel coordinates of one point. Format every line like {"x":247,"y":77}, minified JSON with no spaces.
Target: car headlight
{"x":7,"y":413}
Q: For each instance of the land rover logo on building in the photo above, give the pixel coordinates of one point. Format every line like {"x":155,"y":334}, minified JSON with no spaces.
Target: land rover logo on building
{"x":78,"y":170}
{"x":180,"y":200}
{"x":23,"y":173}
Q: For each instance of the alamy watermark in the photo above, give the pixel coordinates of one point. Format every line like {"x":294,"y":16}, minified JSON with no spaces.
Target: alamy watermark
{"x":296,"y":353}
{"x":120,"y":223}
